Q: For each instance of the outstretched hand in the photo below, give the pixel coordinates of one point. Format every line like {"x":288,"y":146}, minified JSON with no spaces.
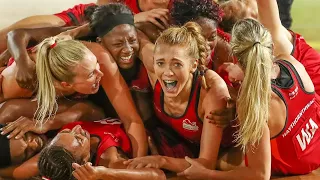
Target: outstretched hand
{"x":18,"y":128}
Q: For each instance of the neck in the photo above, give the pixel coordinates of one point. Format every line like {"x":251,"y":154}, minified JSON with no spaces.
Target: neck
{"x":94,"y":143}
{"x":184,"y":94}
{"x":63,"y":92}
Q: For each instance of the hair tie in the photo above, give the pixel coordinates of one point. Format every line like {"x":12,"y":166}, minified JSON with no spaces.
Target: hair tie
{"x":257,"y":42}
{"x":45,"y":178}
{"x":53,"y":45}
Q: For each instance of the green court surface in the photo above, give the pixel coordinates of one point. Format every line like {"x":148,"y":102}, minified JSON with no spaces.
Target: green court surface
{"x":306,"y":20}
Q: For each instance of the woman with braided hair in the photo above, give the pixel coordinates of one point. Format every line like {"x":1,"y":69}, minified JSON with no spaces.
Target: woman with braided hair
{"x":278,"y":111}
{"x":184,"y":95}
{"x":103,"y":143}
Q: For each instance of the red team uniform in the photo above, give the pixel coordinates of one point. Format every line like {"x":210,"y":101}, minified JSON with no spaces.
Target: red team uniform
{"x":74,"y":16}
{"x":296,"y":150}
{"x":110,"y":134}
{"x":189,"y":125}
{"x":309,"y":57}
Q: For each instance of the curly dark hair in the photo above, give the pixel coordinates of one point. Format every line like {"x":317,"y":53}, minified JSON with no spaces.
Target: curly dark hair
{"x":100,"y":13}
{"x":55,"y":163}
{"x":184,"y":11}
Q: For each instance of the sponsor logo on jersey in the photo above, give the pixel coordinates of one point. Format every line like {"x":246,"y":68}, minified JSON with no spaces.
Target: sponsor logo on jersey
{"x":190,"y":126}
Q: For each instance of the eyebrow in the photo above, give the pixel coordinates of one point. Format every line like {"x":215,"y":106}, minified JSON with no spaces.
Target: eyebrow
{"x":93,"y":69}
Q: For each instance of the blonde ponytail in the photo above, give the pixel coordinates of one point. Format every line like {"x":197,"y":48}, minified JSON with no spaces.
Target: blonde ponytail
{"x":55,"y":60}
{"x":188,"y":35}
{"x":252,"y":44}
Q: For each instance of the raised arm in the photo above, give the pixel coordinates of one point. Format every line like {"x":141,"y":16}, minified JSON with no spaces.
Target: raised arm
{"x":30,"y":22}
{"x":18,"y":41}
{"x":146,"y":56}
{"x":269,"y":17}
{"x":119,"y":95}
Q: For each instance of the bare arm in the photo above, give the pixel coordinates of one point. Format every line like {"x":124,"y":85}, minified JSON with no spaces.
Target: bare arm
{"x":146,"y":56}
{"x":259,"y":164}
{"x":73,"y":111}
{"x":79,"y":111}
{"x":120,"y":97}
{"x":30,"y":22}
{"x":19,"y":39}
{"x":269,"y":17}
{"x":28,"y":169}
{"x":114,"y":159}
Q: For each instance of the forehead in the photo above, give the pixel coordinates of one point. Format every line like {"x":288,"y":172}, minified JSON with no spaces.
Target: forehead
{"x":208,"y":26}
{"x":164,"y":51}
{"x":65,"y":139}
{"x":88,"y":64}
{"x":120,"y":32}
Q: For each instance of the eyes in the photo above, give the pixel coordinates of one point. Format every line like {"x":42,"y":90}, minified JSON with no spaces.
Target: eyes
{"x":119,"y":44}
{"x":213,"y":37}
{"x":176,"y":64}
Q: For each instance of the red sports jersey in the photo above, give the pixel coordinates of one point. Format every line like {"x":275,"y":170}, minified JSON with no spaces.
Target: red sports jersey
{"x":309,"y":57}
{"x":74,"y":16}
{"x":109,"y":132}
{"x":141,"y":82}
{"x":135,"y":8}
{"x":296,"y":149}
{"x":189,"y":125}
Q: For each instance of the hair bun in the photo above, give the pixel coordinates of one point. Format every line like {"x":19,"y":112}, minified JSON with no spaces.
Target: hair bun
{"x":192,"y":27}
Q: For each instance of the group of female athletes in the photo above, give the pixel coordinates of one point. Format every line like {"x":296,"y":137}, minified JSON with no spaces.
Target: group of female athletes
{"x":163,"y":89}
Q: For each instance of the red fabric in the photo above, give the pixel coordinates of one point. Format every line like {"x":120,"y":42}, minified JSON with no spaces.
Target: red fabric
{"x":296,"y":149}
{"x":10,"y":61}
{"x":309,"y":57}
{"x":110,"y":133}
{"x":141,"y":83}
{"x":188,"y":126}
{"x":133,"y":5}
{"x":77,"y":11}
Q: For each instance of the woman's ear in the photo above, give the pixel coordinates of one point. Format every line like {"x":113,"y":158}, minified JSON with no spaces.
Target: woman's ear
{"x":194,"y":66}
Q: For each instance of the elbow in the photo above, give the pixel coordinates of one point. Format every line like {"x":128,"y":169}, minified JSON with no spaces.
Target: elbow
{"x":158,"y":175}
{"x":13,"y":33}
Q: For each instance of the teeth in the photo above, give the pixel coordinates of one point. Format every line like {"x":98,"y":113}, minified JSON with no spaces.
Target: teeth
{"x":126,"y":58}
{"x":168,"y":81}
{"x":170,"y":84}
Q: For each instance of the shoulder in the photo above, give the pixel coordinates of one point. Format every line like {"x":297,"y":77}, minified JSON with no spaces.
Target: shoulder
{"x":217,"y":91}
{"x":214,"y":81}
{"x":103,"y":55}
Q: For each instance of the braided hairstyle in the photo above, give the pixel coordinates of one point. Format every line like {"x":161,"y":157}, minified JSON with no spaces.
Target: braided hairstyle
{"x":55,"y":163}
{"x":184,"y":11}
{"x":188,"y":35}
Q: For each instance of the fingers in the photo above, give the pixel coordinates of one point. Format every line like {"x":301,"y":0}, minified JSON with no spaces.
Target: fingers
{"x":156,"y":23}
{"x":127,"y":161}
{"x":75,"y":165}
{"x":10,"y":126}
{"x":181,"y":173}
{"x":85,"y":171}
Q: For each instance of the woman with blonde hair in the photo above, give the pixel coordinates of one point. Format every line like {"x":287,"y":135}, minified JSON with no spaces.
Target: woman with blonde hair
{"x":67,"y":68}
{"x":184,"y":94}
{"x":277,"y":108}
